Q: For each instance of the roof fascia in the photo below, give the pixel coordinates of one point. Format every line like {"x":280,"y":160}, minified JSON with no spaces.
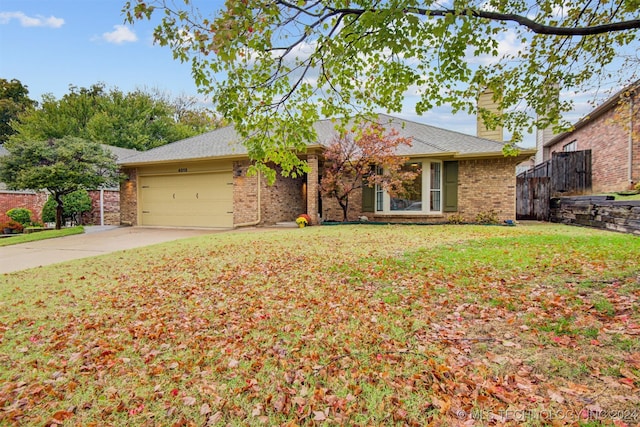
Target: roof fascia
{"x":193,"y":159}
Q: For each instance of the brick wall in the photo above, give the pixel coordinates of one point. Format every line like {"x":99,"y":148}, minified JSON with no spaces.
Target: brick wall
{"x":313,"y":197}
{"x":607,"y":136}
{"x":128,"y":198}
{"x":245,"y":194}
{"x":483,"y":185}
{"x":111,"y":208}
{"x":280,"y":202}
{"x":22,"y":199}
{"x":332,"y":211}
{"x":35,"y":202}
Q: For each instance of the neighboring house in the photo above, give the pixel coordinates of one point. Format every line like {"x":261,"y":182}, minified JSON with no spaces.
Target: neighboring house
{"x":202,"y":182}
{"x":105,"y":202}
{"x":612,"y":133}
{"x":9,"y":199}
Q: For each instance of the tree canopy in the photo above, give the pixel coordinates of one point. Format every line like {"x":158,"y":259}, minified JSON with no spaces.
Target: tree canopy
{"x":14,"y":100}
{"x":74,"y":205}
{"x":367,"y":157}
{"x":60,"y":166}
{"x":274,"y":67}
{"x":137,"y":120}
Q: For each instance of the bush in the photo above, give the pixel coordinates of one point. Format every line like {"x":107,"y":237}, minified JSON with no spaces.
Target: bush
{"x":456,"y":219}
{"x":21,"y":215}
{"x":12,"y":225}
{"x":488,"y":217}
{"x":73,"y":204}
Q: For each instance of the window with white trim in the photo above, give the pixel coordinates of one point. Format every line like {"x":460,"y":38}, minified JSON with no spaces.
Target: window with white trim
{"x":570,"y":146}
{"x":423,"y":195}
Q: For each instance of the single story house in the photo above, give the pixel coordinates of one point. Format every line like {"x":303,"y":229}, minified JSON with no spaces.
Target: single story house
{"x":105,"y":203}
{"x":612,"y":133}
{"x":202,"y":182}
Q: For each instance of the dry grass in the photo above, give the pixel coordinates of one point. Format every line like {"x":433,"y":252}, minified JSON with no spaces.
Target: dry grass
{"x":353,"y":325}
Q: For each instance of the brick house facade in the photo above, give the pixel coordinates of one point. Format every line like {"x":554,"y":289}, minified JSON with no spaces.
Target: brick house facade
{"x":612,"y":133}
{"x":484,"y":185}
{"x":202,"y":181}
{"x":256,"y":202}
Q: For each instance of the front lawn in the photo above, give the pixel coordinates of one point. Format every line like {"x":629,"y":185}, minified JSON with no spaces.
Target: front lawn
{"x":346,"y":325}
{"x":40,"y":235}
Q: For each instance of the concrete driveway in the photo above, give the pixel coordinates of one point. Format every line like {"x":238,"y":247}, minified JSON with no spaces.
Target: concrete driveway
{"x":95,"y":241}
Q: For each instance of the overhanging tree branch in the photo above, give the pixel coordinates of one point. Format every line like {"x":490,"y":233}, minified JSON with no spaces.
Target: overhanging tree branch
{"x":534,"y":26}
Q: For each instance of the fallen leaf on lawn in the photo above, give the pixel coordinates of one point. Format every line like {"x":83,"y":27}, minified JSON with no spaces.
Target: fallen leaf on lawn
{"x":625,"y":372}
{"x":319,"y":416}
{"x":214,"y":419}
{"x":205,"y":409}
{"x":62,"y":415}
{"x":556,"y":397}
{"x":189,"y":400}
{"x":257,"y":410}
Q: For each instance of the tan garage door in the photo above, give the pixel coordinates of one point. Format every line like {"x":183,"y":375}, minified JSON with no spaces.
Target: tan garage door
{"x":194,"y":200}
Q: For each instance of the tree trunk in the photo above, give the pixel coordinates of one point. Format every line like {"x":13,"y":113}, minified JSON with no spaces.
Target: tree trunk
{"x":344,"y":204}
{"x":59,"y":210}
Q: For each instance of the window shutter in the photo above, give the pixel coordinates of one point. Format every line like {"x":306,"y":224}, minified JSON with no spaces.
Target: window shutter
{"x":450,"y":186}
{"x":368,"y":198}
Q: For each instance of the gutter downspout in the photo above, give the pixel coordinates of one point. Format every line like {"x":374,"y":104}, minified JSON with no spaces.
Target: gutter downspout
{"x":101,"y":206}
{"x":257,"y":221}
{"x":631,"y":140}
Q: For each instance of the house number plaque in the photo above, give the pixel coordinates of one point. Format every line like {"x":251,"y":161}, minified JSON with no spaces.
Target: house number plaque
{"x":182,"y":170}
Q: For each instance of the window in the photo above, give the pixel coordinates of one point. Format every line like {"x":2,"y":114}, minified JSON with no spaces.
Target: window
{"x":379,"y":194}
{"x":436,"y":186}
{"x":570,"y":146}
{"x":412,"y":200}
{"x":424,"y":194}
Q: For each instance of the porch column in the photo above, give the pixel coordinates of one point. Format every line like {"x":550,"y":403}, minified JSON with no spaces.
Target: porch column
{"x":312,"y":188}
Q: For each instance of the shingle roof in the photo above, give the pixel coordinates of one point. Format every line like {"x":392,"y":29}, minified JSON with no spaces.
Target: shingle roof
{"x":119,"y":152}
{"x":225,"y":142}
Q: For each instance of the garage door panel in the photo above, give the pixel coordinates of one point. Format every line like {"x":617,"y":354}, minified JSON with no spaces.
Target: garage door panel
{"x":198,"y":200}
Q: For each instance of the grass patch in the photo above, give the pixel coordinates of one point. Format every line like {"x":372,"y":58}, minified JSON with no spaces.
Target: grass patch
{"x":350,"y":325}
{"x":41,"y":235}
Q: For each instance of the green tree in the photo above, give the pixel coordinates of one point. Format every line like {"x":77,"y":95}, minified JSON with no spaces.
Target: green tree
{"x":60,"y":166}
{"x":136,"y":120}
{"x":74,"y":205}
{"x":275,"y":67}
{"x":14,"y":100}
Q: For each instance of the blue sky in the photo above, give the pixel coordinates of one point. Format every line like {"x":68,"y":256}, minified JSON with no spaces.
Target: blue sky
{"x":51,"y":44}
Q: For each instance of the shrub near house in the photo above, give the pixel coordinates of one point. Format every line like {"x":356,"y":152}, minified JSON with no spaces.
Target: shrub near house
{"x":19,"y":218}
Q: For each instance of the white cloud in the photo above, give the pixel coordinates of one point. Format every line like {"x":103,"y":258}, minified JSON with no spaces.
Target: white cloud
{"x":119,"y":35}
{"x":29,"y":21}
{"x":510,"y":45}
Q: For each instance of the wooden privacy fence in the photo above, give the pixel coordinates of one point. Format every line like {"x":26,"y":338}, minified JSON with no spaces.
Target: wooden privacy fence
{"x":532,"y":198}
{"x":565,"y":174}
